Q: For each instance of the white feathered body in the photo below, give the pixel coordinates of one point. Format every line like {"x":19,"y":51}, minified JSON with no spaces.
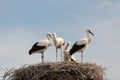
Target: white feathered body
{"x":45,"y":43}
{"x":59,"y":42}
{"x":83,"y":41}
{"x":42,"y":45}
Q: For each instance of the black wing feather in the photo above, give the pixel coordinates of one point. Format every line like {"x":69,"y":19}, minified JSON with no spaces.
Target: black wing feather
{"x":35,"y":47}
{"x":76,"y":47}
{"x":35,"y":44}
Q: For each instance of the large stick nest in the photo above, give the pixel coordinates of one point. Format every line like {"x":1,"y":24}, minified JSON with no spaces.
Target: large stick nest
{"x":57,"y":71}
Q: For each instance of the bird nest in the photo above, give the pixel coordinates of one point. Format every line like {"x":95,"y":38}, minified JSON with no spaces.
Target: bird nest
{"x":56,"y":71}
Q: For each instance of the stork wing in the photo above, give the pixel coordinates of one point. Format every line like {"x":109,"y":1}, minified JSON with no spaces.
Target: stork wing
{"x":35,"y":44}
{"x":76,"y":47}
{"x":36,"y":47}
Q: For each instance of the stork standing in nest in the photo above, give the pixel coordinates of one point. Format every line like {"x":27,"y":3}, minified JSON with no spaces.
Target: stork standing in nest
{"x":82,"y":44}
{"x":59,"y":43}
{"x":41,"y":46}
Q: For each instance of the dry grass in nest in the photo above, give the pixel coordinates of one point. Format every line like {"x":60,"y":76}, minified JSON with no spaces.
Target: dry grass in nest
{"x":57,"y":71}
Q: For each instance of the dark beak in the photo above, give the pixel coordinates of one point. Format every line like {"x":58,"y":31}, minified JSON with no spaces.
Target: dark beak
{"x":91,"y":33}
{"x":50,"y":36}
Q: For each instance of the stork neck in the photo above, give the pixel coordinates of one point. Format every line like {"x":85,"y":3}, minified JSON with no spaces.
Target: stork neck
{"x":89,"y":37}
{"x":67,"y":46}
{"x":50,"y":39}
{"x":54,"y":36}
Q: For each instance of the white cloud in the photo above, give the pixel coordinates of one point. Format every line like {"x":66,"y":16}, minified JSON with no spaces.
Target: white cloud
{"x":106,"y":3}
{"x":109,"y":4}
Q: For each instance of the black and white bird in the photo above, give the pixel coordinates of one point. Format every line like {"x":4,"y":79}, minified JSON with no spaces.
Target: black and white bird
{"x":41,"y":46}
{"x":67,"y":57}
{"x":59,"y":43}
{"x":82,"y":44}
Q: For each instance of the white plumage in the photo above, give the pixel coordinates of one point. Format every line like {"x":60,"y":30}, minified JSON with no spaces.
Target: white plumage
{"x":80,"y":45}
{"x":66,"y":53}
{"x":59,"y":43}
{"x":41,"y":46}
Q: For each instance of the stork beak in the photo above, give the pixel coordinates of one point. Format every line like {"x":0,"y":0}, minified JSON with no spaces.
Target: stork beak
{"x":50,"y":36}
{"x":91,"y":33}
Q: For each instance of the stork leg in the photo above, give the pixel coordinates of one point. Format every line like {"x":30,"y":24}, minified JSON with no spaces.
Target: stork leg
{"x":81,"y":57}
{"x":56,"y":55}
{"x":42,"y":57}
{"x":61,"y":54}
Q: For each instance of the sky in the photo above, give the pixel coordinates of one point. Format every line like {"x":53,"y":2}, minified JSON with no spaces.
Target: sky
{"x":24,"y":22}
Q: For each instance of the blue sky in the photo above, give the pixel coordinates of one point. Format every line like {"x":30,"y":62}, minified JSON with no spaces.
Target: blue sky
{"x":24,"y":22}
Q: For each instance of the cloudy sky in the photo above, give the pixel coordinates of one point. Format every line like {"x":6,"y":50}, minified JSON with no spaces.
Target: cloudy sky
{"x":23,"y":22}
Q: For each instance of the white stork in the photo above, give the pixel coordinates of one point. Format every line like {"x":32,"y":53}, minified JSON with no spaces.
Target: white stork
{"x":66,"y":53}
{"x":59,"y":43}
{"x":80,"y":45}
{"x":41,"y":46}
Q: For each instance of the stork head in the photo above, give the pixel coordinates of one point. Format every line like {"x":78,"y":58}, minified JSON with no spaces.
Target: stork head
{"x":54,"y":34}
{"x":89,"y":31}
{"x":49,"y":34}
